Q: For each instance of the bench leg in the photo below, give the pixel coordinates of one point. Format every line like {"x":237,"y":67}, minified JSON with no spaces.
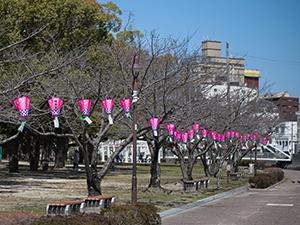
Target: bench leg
{"x":67,"y":210}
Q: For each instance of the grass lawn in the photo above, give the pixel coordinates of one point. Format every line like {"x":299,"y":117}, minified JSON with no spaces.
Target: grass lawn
{"x":31,"y":191}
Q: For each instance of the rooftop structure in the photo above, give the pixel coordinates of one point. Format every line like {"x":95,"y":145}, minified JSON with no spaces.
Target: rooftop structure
{"x":226,"y":70}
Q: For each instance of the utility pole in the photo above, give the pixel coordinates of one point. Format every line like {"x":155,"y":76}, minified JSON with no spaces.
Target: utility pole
{"x":135,"y":73}
{"x":255,"y":160}
{"x":227,"y":70}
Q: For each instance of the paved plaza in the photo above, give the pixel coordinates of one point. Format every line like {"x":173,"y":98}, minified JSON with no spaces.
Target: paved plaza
{"x":279,"y":205}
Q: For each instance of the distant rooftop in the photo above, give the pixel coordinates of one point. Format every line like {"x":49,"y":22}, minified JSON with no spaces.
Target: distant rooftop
{"x":252,"y":73}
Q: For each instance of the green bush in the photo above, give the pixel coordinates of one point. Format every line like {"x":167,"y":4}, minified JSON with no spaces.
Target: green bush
{"x":143,"y":214}
{"x":269,"y":177}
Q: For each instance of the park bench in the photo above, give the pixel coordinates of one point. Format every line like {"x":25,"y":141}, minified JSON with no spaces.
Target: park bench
{"x":65,"y":207}
{"x":88,"y":205}
{"x":195,"y":184}
{"x":95,"y":203}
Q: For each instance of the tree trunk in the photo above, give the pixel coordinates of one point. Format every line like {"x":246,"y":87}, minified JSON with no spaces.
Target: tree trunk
{"x":154,"y":172}
{"x":61,"y":152}
{"x":90,"y":161}
{"x":93,"y":181}
{"x":34,"y":155}
{"x":218,"y":179}
{"x":205,"y":166}
{"x":13,"y":149}
{"x":183,"y":168}
{"x":189,"y":170}
{"x":46,"y":149}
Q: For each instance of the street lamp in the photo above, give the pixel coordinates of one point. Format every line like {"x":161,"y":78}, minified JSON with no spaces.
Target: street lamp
{"x":135,"y":73}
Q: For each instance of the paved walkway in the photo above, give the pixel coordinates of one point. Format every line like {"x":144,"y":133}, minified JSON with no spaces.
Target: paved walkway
{"x":279,"y":205}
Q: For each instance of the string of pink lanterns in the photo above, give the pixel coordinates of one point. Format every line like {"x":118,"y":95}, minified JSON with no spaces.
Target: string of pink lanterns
{"x":22,"y":105}
{"x":197,"y":132}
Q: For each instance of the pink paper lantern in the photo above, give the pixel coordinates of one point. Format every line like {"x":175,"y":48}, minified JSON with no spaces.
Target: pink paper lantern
{"x":126,"y":105}
{"x":22,"y":105}
{"x":242,"y":138}
{"x":221,"y":138}
{"x":170,"y":128}
{"x":184,"y":137}
{"x":55,"y":105}
{"x":196,"y":127}
{"x":108,"y":105}
{"x":213,"y":135}
{"x":177,"y":135}
{"x":232,"y":134}
{"x":228,"y":134}
{"x":154,"y":122}
{"x":248,"y":137}
{"x":85,"y":107}
{"x":237,"y":134}
{"x":265,"y":141}
{"x":204,"y":133}
{"x":191,"y":134}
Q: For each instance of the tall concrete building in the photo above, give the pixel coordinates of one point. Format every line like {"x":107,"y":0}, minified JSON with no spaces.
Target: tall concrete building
{"x":226,"y":70}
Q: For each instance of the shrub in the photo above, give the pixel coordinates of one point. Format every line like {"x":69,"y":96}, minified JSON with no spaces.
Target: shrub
{"x":17,"y":218}
{"x":113,"y":215}
{"x":262,"y":180}
{"x":275,"y":172}
{"x":244,"y":162}
{"x":143,"y":214}
{"x":77,"y":219}
{"x":260,"y":164}
{"x":269,"y":177}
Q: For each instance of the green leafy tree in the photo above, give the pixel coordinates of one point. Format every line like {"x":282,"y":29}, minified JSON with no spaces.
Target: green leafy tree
{"x":68,"y":23}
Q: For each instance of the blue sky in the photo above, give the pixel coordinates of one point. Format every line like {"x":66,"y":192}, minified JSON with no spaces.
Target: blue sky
{"x":265,"y":32}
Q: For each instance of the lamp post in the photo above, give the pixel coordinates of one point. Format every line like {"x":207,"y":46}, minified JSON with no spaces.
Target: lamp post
{"x":255,"y":160}
{"x":135,"y":74}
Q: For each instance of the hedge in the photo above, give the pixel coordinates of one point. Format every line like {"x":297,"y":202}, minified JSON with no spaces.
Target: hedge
{"x":269,"y":177}
{"x":143,"y":214}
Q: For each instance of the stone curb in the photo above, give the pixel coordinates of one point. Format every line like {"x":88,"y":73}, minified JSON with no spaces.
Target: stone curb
{"x":202,"y":202}
{"x":268,"y":188}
